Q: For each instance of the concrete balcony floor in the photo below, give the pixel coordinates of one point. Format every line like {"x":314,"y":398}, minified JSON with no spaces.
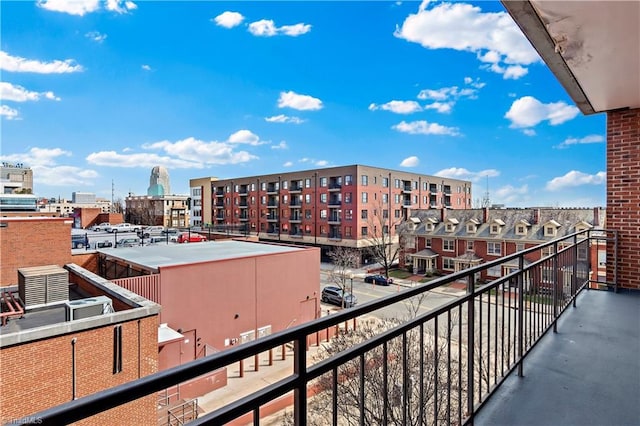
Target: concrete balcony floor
{"x":588,"y":373}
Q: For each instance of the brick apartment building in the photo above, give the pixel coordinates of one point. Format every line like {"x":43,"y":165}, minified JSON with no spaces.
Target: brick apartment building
{"x":330,"y":207}
{"x":170,"y":211}
{"x":452,"y":240}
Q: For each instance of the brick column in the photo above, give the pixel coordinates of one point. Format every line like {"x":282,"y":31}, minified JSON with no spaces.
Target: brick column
{"x":623,"y":194}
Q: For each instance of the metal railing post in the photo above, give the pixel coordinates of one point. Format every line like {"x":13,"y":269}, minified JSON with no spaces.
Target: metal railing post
{"x":470,"y":345}
{"x":300,"y":392}
{"x":574,"y":276}
{"x":520,"y":320}
{"x":554,"y":279}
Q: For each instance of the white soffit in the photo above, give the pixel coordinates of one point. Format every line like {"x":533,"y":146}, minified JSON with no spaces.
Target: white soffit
{"x":593,"y":48}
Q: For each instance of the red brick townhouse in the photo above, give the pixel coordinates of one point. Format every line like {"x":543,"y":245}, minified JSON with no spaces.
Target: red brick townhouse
{"x":447,"y":241}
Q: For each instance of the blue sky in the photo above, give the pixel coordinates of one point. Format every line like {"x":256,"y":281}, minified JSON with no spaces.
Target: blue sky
{"x":99,"y":91}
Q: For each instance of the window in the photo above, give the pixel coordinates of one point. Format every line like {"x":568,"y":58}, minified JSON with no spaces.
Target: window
{"x":469,"y":245}
{"x":307,"y":183}
{"x":323,"y":214}
{"x":385,"y":198}
{"x":117,"y":349}
{"x":364,"y":214}
{"x":385,"y":230}
{"x":348,"y":214}
{"x":427,"y":243}
{"x":347,"y":231}
{"x":450,"y":227}
{"x":396,"y":213}
{"x":582,"y":252}
{"x":447,"y":245}
{"x":323,"y":198}
{"x":263,"y":199}
{"x":365,"y":180}
{"x":397,"y":183}
{"x":429,"y":226}
{"x":385,"y":182}
{"x":348,"y":180}
{"x":448,"y":263}
{"x":549,"y":231}
{"x":347,"y":197}
{"x":385,"y":214}
{"x":365,"y":196}
{"x":285,"y":199}
{"x":495,"y":229}
{"x":323,"y":182}
{"x":397,"y":198}
{"x":364,"y":231}
{"x":307,"y":198}
{"x":519,"y":246}
{"x":307,"y":214}
{"x":521,"y":230}
{"x":253,"y":187}
{"x":471,"y":228}
{"x":494,"y":248}
{"x":263,"y":186}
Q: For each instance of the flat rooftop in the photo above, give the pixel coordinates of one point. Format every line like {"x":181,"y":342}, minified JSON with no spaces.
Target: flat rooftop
{"x":163,"y":255}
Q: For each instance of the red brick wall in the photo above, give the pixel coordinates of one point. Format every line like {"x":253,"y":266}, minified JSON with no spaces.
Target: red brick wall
{"x":623,"y":194}
{"x":38,"y":375}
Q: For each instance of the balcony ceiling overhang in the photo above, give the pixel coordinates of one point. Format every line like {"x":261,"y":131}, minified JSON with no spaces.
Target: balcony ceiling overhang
{"x":593,"y":48}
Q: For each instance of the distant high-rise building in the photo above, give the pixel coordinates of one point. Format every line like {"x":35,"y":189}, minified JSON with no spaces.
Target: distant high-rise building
{"x":16,"y":179}
{"x":83,"y":198}
{"x":159,"y":182}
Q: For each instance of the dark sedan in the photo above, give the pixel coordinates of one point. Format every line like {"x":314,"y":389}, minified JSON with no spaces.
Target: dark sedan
{"x":378,"y":280}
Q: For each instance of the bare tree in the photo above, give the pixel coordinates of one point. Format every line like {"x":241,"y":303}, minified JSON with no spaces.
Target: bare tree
{"x":343,"y":259}
{"x":386,"y":236}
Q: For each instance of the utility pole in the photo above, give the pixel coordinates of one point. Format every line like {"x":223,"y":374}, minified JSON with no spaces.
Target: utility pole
{"x":112,"y":196}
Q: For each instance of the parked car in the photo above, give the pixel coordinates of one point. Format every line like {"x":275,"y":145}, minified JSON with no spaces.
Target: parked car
{"x":104,"y":244}
{"x":336,"y":296}
{"x":170,"y":231}
{"x":128,"y":242}
{"x":150,"y":230}
{"x":101,"y":227}
{"x":124,"y":227}
{"x":157,"y":239}
{"x":378,"y":280}
{"x":185,"y":237}
{"x":78,"y":241}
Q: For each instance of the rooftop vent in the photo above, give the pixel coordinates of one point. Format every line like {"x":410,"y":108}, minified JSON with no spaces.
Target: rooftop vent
{"x":86,"y":308}
{"x":43,"y":285}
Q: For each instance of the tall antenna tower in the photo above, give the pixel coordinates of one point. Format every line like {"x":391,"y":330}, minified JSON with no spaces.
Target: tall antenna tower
{"x":486,"y":202}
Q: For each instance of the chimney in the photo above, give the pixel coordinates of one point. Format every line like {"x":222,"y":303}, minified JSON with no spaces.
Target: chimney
{"x":485,"y":214}
{"x":443,"y":214}
{"x":596,"y":216}
{"x":536,"y":216}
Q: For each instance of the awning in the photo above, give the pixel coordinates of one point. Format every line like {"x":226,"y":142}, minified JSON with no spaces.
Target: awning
{"x":426,"y":253}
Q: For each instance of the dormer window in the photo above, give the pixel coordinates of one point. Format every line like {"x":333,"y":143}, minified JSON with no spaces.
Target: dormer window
{"x":496,"y":226}
{"x":551,"y":228}
{"x":471,"y":228}
{"x":429,"y":226}
{"x":521,"y":230}
{"x":450,"y":227}
{"x":581,"y":227}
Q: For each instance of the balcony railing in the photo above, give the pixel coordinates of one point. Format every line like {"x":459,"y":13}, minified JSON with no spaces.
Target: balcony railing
{"x":440,"y":364}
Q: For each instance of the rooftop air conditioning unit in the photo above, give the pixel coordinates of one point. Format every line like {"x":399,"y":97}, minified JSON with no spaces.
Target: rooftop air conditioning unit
{"x":86,"y":308}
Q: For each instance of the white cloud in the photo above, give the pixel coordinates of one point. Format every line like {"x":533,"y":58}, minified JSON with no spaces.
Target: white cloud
{"x":142,"y":159}
{"x":82,"y":7}
{"x":281,"y":145}
{"x":146,"y":67}
{"x":511,"y":195}
{"x":9,"y":92}
{"x":245,"y":137}
{"x":8,"y":113}
{"x":72,"y":7}
{"x":585,"y":140}
{"x":18,"y":64}
{"x":284,"y":119}
{"x":441,"y":107}
{"x":422,"y":127}
{"x":399,"y":107}
{"x":37,"y":156}
{"x":96,"y":36}
{"x":191,"y":152}
{"x":446,"y":97}
{"x":228,"y":19}
{"x":120,"y":6}
{"x":493,"y":37}
{"x":529,"y":132}
{"x":300,"y":102}
{"x":267,"y":28}
{"x":288,"y":164}
{"x":412,"y":161}
{"x":319,"y":163}
{"x":576,"y":178}
{"x":464,"y":174}
{"x":528,"y":112}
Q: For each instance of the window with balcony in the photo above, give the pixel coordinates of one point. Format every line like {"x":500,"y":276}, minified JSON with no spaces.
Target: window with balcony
{"x":494,"y":248}
{"x":448,"y":264}
{"x":448,"y":245}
